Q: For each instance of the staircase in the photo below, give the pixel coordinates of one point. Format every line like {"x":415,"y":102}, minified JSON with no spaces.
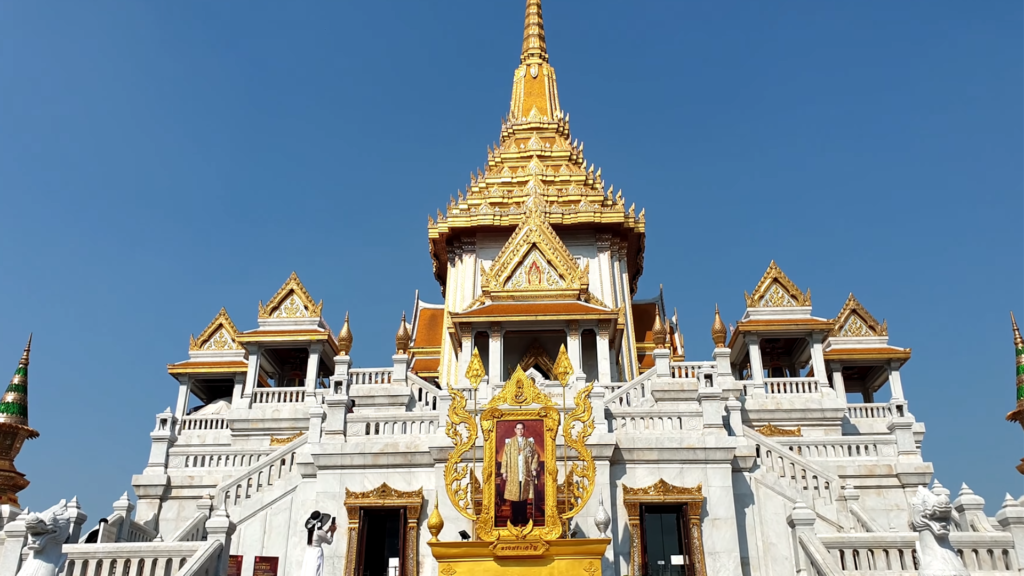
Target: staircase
{"x":796,"y":478}
{"x":262,"y":484}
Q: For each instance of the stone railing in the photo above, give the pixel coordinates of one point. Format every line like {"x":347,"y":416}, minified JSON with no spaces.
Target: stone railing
{"x":631,"y":394}
{"x":391,"y":424}
{"x":152,"y":558}
{"x":815,"y":485}
{"x":869,"y":411}
{"x":139,"y":532}
{"x":894,"y":553}
{"x":194,"y":531}
{"x":691,"y":370}
{"x":278,"y":396}
{"x":426,"y":393}
{"x":791,"y":386}
{"x":370,"y":376}
{"x":840,"y":447}
{"x":200,"y":422}
{"x":641,"y":421}
{"x":195,"y":457}
{"x":206,"y":562}
{"x":820,"y":560}
{"x":259,"y":477}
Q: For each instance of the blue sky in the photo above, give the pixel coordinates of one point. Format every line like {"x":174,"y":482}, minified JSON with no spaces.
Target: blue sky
{"x":159,"y":160}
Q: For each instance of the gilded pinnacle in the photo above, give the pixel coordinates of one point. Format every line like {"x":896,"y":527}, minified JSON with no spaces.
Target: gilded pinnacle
{"x":1018,"y":342}
{"x":534,"y":45}
{"x":402,"y":338}
{"x":659,"y":331}
{"x":345,"y":338}
{"x":28,"y":348}
{"x":718,"y":330}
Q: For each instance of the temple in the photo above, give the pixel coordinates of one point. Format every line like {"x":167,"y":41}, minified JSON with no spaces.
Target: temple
{"x":791,"y":450}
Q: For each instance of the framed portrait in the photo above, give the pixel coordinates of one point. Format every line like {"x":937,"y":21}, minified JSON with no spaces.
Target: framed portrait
{"x":520,"y":473}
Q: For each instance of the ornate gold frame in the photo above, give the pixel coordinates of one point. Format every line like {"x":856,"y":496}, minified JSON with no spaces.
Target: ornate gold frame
{"x":384,"y":496}
{"x":552,"y":523}
{"x":662,"y":492}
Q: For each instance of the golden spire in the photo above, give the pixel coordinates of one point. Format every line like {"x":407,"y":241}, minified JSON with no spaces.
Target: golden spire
{"x":345,"y":338}
{"x":1017,"y":415}
{"x":659,"y":331}
{"x":14,"y":430}
{"x":718,"y":330}
{"x":1018,"y":342}
{"x":402,"y":338}
{"x":534,"y":46}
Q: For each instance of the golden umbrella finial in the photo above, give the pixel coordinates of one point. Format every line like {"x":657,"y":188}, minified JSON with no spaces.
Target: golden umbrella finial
{"x":402,"y":338}
{"x":475,"y":371}
{"x":718,"y":330}
{"x":345,"y":338}
{"x":563,"y":369}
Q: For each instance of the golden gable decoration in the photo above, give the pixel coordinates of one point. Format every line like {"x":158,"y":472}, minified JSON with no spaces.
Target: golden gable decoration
{"x":520,"y":390}
{"x":776,"y":290}
{"x":534,"y":264}
{"x":291,"y":301}
{"x":854,"y":321}
{"x":218,"y":335}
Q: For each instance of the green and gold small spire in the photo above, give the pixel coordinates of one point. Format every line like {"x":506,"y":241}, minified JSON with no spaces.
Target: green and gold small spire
{"x":14,"y":404}
{"x":1018,"y":344}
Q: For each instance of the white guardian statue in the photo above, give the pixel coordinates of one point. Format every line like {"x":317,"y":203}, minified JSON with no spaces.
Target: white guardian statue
{"x":930,"y":518}
{"x":47,"y":532}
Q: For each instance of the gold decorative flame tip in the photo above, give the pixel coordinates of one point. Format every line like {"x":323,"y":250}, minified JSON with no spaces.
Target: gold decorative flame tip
{"x":659,"y":331}
{"x":1017,"y":340}
{"x":475,"y":371}
{"x":435,"y":523}
{"x":345,"y":338}
{"x":718,"y":330}
{"x":402,"y":338}
{"x":563,"y":369}
{"x":28,"y":349}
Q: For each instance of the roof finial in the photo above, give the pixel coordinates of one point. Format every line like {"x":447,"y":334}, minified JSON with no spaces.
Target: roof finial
{"x":1018,"y":345}
{"x":534,"y":45}
{"x":1018,"y":342}
{"x":659,"y":331}
{"x":28,"y":347}
{"x":718,"y":330}
{"x":345,"y":338}
{"x":402,"y":338}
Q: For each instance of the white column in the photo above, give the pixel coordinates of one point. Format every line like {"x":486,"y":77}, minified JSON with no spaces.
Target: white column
{"x":604,"y":366}
{"x":494,"y":375}
{"x":613,"y":258}
{"x":837,"y":380}
{"x":573,"y":347}
{"x":895,"y":382}
{"x":400,"y":363}
{"x":312,"y":367}
{"x":606,"y":279}
{"x":754,"y":352}
{"x":468,"y":291}
{"x":818,"y":358}
{"x":339,"y":382}
{"x":252,"y":373}
{"x":801,"y":520}
{"x":184,"y":390}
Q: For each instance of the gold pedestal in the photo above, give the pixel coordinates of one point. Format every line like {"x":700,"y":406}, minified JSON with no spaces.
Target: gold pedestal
{"x":580,"y":557}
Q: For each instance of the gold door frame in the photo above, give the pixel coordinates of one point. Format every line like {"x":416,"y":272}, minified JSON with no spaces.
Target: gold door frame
{"x":384,"y":496}
{"x":662,"y":492}
{"x":552,"y":522}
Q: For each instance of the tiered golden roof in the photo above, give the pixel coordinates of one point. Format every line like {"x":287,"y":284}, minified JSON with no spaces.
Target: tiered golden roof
{"x":536,"y":156}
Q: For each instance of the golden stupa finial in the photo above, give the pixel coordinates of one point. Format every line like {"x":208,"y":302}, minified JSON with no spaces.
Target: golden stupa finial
{"x":534,"y":45}
{"x":1017,"y":415}
{"x":402,"y":338}
{"x":659,"y":331}
{"x":28,"y":347}
{"x":1018,"y":342}
{"x":435,"y":523}
{"x":718,"y":330}
{"x":345,"y":338}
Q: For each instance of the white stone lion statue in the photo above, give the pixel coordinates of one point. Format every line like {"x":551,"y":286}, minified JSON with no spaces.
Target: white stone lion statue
{"x":47,"y":532}
{"x":930,"y":518}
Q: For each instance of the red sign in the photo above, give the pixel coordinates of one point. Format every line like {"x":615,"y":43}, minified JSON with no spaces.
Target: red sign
{"x":265,"y":566}
{"x":234,"y":566}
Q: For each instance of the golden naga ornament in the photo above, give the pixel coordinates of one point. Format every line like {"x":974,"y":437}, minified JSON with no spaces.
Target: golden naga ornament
{"x":461,"y":429}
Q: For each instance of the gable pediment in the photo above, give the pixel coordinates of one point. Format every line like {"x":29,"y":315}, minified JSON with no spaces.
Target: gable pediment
{"x":854,"y":321}
{"x":291,"y":301}
{"x":219,"y":335}
{"x":776,"y":290}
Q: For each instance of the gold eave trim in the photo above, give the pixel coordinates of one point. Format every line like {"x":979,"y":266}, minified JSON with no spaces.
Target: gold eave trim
{"x":902,"y":354}
{"x":207,"y":368}
{"x":531,"y":317}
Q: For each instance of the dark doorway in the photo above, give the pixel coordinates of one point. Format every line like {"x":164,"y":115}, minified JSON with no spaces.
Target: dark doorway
{"x":665,"y":549}
{"x":381,"y":535}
